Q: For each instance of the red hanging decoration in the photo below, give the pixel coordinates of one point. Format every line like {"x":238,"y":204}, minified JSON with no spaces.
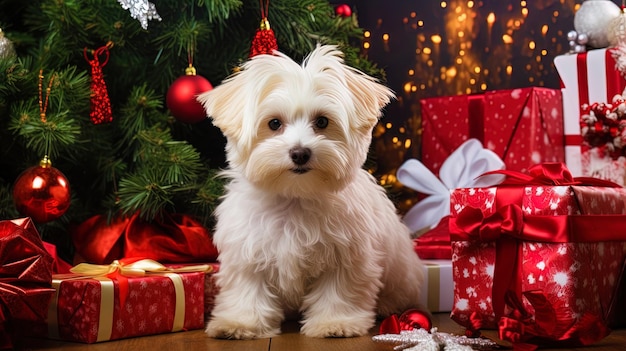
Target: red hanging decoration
{"x":42,"y":192}
{"x":100,"y":102}
{"x":264,"y":41}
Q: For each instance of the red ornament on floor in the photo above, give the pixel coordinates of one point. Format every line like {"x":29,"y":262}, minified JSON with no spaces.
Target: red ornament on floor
{"x":181,"y":97}
{"x":42,"y":192}
{"x":408,"y":320}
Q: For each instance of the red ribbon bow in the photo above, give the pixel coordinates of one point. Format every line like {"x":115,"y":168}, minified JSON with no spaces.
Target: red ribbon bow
{"x":549,"y":173}
{"x":549,"y":327}
{"x":508,"y":220}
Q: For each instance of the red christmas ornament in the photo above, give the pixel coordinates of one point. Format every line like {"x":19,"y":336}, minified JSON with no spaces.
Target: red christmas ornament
{"x":415,"y":319}
{"x":264,"y":41}
{"x":409,"y":320}
{"x":343,"y":10}
{"x":181,"y":97}
{"x":42,"y":192}
{"x":100,"y":102}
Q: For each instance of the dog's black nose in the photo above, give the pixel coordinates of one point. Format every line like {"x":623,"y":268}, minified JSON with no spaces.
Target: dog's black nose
{"x":300,"y":155}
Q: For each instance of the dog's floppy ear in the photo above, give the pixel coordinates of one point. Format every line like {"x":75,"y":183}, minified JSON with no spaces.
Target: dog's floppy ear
{"x":224,"y":105}
{"x":367,"y":94}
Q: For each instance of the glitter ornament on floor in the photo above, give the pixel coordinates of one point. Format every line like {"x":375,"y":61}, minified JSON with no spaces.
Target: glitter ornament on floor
{"x":422,"y":340}
{"x":141,"y":10}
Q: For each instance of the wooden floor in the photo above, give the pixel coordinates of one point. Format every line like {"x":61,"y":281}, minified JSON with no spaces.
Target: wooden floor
{"x":289,"y":340}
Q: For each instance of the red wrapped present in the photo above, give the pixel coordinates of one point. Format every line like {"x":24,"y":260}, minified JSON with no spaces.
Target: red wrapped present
{"x":59,"y":266}
{"x":539,"y":256}
{"x":25,"y":277}
{"x":173,"y":238}
{"x":522,"y":126}
{"x":128,"y":298}
{"x":435,"y":243}
{"x":586,"y":78}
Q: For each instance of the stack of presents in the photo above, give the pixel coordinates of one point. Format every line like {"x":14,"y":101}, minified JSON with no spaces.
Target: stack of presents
{"x":522,"y":213}
{"x":523,"y":228}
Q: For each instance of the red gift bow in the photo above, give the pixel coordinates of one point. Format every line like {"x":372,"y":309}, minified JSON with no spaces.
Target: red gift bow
{"x":548,"y":327}
{"x":550,"y":173}
{"x":509,"y":224}
{"x":25,"y":275}
{"x":173,"y":238}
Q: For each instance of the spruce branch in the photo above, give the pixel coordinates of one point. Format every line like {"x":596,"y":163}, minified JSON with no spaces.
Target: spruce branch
{"x":178,"y":161}
{"x":143,"y":192}
{"x":143,"y":110}
{"x":219,"y":11}
{"x":58,"y":133}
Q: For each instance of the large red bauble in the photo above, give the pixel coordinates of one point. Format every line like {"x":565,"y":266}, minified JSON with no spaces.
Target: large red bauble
{"x":181,"y":98}
{"x":343,"y":10}
{"x":42,"y":192}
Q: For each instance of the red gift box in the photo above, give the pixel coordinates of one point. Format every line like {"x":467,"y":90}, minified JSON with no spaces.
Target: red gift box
{"x":25,"y":276}
{"x":538,"y":257}
{"x":210,"y":286}
{"x":100,"y":303}
{"x":522,"y":126}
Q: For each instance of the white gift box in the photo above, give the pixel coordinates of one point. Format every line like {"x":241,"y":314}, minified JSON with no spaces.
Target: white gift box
{"x":585,"y":78}
{"x":438,"y":290}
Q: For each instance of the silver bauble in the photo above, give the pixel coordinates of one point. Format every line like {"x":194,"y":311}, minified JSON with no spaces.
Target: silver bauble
{"x":593,"y":17}
{"x":6,"y":46}
{"x":572,"y":35}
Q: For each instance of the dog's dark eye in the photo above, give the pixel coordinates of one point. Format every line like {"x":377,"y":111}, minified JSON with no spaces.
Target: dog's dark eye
{"x":274,"y":124}
{"x":321,"y":122}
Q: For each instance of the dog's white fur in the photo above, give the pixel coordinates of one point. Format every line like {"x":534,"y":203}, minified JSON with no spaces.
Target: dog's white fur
{"x":320,"y":238}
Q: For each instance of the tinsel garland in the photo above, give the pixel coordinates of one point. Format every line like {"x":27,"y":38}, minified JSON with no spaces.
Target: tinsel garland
{"x":141,"y":10}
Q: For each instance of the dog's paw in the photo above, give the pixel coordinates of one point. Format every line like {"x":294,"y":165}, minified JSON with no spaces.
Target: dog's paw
{"x":335,"y":329}
{"x":227,"y":329}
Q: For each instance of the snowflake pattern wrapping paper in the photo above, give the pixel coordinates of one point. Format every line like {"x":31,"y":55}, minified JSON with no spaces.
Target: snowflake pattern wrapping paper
{"x":83,"y":313}
{"x":574,"y":272}
{"x":522,"y":126}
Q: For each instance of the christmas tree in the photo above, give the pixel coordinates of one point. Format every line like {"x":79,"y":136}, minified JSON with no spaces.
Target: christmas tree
{"x":85,"y":89}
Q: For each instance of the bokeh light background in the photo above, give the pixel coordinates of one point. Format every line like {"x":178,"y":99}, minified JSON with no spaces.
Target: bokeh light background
{"x":434,"y":48}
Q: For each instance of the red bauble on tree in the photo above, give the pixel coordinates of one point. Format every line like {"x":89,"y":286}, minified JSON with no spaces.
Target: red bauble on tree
{"x":42,"y":192}
{"x":343,"y":10}
{"x":181,"y":97}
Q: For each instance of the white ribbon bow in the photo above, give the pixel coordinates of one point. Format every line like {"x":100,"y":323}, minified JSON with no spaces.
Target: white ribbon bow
{"x":460,"y":170}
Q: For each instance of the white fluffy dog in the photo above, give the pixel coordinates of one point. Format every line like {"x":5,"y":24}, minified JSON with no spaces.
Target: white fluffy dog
{"x":302,"y":227}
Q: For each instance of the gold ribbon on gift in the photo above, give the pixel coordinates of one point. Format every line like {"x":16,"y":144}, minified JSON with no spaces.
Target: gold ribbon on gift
{"x":120,"y":270}
{"x":434,"y":286}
